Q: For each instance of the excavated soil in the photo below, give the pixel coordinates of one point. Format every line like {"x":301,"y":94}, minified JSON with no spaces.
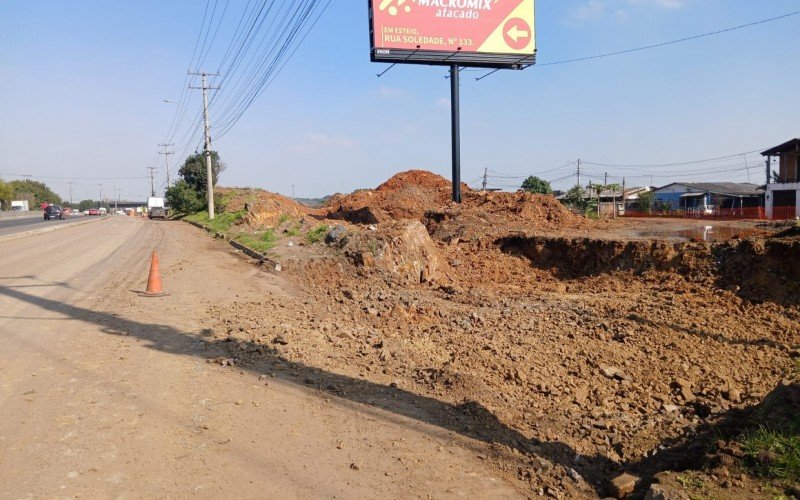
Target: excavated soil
{"x":262,"y":208}
{"x":578,"y":357}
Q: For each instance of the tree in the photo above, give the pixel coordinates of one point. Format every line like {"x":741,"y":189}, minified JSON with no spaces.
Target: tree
{"x":534,"y":184}
{"x":183,"y":198}
{"x":575,"y":198}
{"x":85,"y":205}
{"x":34,"y":191}
{"x":6,"y":193}
{"x":645,"y":201}
{"x":193,"y":171}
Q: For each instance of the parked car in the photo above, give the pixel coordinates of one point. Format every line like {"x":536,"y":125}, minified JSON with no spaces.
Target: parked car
{"x":54,"y":212}
{"x":93,"y":211}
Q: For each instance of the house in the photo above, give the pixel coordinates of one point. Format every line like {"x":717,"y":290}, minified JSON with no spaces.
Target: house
{"x":707,"y":197}
{"x":622,"y":199}
{"x":781,"y":198}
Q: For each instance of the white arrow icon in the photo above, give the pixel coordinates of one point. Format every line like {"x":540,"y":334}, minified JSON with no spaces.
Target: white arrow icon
{"x":515,"y":33}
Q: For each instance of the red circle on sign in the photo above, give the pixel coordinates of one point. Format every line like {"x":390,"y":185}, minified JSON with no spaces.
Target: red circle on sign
{"x":517,"y":33}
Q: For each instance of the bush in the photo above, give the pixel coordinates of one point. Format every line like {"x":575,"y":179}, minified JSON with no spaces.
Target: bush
{"x":183,"y":199}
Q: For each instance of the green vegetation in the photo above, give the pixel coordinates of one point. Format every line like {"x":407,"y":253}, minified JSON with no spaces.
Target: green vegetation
{"x":193,"y":170}
{"x":283,"y":219}
{"x":774,"y":453}
{"x":183,"y":199}
{"x":221,"y":223}
{"x":85,"y":205}
{"x":294,"y":231}
{"x":6,"y":194}
{"x":646,"y":201}
{"x":188,"y":195}
{"x":575,"y":198}
{"x":689,"y":480}
{"x":221,"y":201}
{"x":534,"y":184}
{"x":260,"y":242}
{"x":34,"y":191}
{"x":317,"y":234}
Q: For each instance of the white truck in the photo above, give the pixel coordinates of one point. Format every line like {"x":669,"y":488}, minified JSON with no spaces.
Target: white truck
{"x":20,"y":206}
{"x":156,"y":208}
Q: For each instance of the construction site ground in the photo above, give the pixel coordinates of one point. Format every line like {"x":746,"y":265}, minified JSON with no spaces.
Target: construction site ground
{"x":395,"y":344}
{"x":577,"y":349}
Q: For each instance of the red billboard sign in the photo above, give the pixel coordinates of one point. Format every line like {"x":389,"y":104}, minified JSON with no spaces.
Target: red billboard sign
{"x":494,"y":33}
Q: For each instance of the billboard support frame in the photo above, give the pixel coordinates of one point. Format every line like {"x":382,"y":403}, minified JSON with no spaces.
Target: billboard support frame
{"x":455,"y":130}
{"x":484,"y":56}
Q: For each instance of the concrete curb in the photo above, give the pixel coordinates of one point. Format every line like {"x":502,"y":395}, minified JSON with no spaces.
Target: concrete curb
{"x":34,"y":232}
{"x":260,"y":257}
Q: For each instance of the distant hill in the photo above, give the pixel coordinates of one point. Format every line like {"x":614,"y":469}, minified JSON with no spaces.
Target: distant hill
{"x":313,"y":202}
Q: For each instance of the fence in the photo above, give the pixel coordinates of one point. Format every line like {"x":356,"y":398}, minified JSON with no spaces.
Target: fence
{"x":754,"y":213}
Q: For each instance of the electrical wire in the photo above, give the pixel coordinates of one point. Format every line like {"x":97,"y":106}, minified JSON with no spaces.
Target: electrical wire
{"x":671,"y":42}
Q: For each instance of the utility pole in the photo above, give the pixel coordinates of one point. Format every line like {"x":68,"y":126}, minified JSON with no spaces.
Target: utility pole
{"x":579,"y":172}
{"x":152,"y":181}
{"x":292,"y":191}
{"x":166,"y":157}
{"x":485,"y":177}
{"x":623,"y":196}
{"x":209,"y":177}
{"x":100,"y":202}
{"x":605,"y":179}
{"x":116,"y":203}
{"x":769,"y":167}
{"x":70,"y":192}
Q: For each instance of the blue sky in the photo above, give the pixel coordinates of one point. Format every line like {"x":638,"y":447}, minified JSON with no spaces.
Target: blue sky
{"x":83,"y":82}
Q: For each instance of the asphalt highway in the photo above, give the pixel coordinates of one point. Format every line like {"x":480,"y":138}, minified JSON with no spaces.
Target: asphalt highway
{"x":16,"y":225}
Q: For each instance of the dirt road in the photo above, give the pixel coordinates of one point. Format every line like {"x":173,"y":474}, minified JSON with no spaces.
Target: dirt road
{"x":106,"y":393}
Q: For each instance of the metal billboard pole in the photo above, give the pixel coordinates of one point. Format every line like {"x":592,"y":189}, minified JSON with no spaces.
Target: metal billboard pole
{"x":456,"y":131}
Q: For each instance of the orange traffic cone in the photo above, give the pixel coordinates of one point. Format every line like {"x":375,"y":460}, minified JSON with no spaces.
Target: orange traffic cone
{"x":154,"y":287}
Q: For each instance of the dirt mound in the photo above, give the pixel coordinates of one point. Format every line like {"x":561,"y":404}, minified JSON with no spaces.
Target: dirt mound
{"x":403,"y":249}
{"x":263,"y":208}
{"x":483,"y":214}
{"x":424,"y":196}
{"x":407,"y":195}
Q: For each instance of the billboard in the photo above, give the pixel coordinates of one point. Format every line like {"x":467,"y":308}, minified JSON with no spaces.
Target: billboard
{"x":482,"y":33}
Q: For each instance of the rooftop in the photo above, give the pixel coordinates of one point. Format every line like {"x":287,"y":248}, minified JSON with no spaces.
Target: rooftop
{"x":793,"y":145}
{"x":723,"y":188}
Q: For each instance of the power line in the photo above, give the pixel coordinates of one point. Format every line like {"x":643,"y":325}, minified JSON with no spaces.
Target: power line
{"x":691,"y":162}
{"x":672,"y":42}
{"x":71,"y":178}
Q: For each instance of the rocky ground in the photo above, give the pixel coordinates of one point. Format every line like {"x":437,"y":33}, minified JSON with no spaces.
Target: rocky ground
{"x":580,"y":358}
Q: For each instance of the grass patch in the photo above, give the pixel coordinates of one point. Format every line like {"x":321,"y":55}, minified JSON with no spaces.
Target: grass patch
{"x":260,"y":242}
{"x":774,"y":453}
{"x":221,"y":223}
{"x":295,"y":231}
{"x":315,"y":235}
{"x":283,"y":219}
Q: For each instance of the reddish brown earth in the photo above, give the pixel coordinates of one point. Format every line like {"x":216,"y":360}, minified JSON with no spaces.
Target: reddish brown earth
{"x":576,"y":350}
